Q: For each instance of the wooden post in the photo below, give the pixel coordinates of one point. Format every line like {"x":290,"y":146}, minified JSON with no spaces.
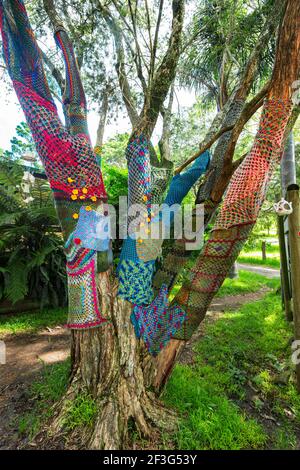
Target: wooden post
{"x":294,"y":238}
{"x":234,"y":271}
{"x":263,"y":250}
{"x":284,"y":270}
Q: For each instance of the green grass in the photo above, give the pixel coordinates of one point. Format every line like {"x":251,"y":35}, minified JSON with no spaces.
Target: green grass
{"x":254,"y":256}
{"x":81,"y":412}
{"x":245,"y":283}
{"x":269,"y":262}
{"x":31,"y":322}
{"x":248,"y":346}
{"x":44,"y":392}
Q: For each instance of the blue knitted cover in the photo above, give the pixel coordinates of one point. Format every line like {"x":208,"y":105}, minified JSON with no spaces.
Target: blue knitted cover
{"x":157,"y":322}
{"x":179,"y":187}
{"x":92,"y":230}
{"x":182,"y":183}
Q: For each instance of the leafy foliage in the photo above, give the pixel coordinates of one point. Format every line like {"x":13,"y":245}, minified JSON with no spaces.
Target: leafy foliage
{"x":32,"y":259}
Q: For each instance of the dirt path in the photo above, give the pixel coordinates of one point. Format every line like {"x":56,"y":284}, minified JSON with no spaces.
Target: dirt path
{"x":25,"y":357}
{"x":262,"y":270}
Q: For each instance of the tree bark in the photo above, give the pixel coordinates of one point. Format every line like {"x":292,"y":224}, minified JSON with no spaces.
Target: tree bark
{"x":112,"y":366}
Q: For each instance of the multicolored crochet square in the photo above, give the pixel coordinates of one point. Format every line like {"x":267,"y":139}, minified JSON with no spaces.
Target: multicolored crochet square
{"x":92,"y":230}
{"x":157,"y":322}
{"x":84,"y":311}
{"x":135,"y":281}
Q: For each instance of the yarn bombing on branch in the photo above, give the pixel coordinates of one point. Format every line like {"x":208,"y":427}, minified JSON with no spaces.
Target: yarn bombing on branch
{"x":71,"y":165}
{"x":157,"y":322}
{"x":139,"y":255}
{"x":181,"y":184}
{"x":236,"y":218}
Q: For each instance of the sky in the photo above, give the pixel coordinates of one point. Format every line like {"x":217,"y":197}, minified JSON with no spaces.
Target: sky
{"x":11,"y":115}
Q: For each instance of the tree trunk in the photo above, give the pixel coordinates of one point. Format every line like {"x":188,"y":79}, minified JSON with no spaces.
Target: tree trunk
{"x":102,"y":117}
{"x":113,"y":366}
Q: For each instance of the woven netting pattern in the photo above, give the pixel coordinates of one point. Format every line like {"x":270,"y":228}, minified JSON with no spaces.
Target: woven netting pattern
{"x":246,"y":192}
{"x":236,"y":218}
{"x":207,"y":276}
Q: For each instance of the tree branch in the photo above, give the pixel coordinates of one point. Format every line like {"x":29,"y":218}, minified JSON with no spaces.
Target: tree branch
{"x":164,"y":75}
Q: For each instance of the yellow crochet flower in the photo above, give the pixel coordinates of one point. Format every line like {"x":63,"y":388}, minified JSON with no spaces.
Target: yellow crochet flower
{"x":75,"y":191}
{"x":88,"y":208}
{"x":75,"y":216}
{"x":74,"y":197}
{"x":81,"y":197}
{"x":70,"y":180}
{"x":84,"y":190}
{"x":93,"y":198}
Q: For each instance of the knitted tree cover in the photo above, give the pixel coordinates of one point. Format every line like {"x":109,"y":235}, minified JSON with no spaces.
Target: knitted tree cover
{"x":143,"y":253}
{"x":216,"y":163}
{"x":237,"y":216}
{"x":178,"y":256}
{"x":157,"y":322}
{"x":70,"y":163}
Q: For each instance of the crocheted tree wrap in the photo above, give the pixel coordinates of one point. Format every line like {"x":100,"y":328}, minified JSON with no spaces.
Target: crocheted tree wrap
{"x":247,"y":190}
{"x":140,"y":251}
{"x":92,"y":230}
{"x":139,"y":173}
{"x":71,"y":166}
{"x":84,"y":311}
{"x":179,"y":188}
{"x":236,"y":218}
{"x":157,"y":322}
{"x":216,"y":163}
{"x":135,"y":281}
{"x":63,"y":155}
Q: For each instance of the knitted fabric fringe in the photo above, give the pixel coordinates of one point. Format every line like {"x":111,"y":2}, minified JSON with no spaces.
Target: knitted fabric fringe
{"x":236,"y":219}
